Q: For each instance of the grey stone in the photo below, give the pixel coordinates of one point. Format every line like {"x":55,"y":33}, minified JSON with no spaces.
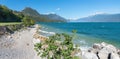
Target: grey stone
{"x":89,"y":55}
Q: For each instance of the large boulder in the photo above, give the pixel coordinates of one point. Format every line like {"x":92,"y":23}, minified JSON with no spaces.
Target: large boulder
{"x":10,"y":28}
{"x":97,"y":46}
{"x":89,"y":55}
{"x":103,"y":54}
{"x":104,"y":46}
{"x":111,"y":49}
{"x":101,"y":51}
{"x":2,"y":30}
{"x":115,"y":56}
{"x":118,"y":52}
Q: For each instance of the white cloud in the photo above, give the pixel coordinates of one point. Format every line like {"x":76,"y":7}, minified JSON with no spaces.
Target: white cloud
{"x":73,"y":18}
{"x":98,"y":12}
{"x":58,"y":9}
{"x":53,"y":12}
{"x":50,"y":13}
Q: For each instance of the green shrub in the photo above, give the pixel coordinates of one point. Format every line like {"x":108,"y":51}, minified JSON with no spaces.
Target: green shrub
{"x":28,"y":21}
{"x":58,"y":46}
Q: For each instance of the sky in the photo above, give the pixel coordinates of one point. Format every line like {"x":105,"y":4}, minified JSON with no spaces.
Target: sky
{"x":69,"y":9}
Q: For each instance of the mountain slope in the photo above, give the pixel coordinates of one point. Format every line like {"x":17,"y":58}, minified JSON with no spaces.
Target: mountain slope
{"x":41,"y":17}
{"x":30,"y":12}
{"x":7,"y":15}
{"x":101,"y":18}
{"x":54,"y":17}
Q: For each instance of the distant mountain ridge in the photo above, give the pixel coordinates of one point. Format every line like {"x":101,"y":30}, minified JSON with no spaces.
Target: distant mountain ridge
{"x":8,"y":15}
{"x":100,"y":18}
{"x":54,"y":17}
{"x":42,"y":17}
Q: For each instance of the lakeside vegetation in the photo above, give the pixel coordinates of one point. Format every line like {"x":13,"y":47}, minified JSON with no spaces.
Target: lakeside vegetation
{"x":58,"y":46}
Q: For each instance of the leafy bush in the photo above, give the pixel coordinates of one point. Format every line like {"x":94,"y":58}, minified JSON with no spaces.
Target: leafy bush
{"x":58,"y":46}
{"x":28,"y":21}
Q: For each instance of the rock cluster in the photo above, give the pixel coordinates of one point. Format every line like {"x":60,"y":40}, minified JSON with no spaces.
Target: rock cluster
{"x":4,"y":30}
{"x":101,"y":51}
{"x":10,"y":28}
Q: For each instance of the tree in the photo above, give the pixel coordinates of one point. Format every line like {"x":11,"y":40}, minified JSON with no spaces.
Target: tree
{"x":6,"y":15}
{"x":28,"y":21}
{"x":32,"y":22}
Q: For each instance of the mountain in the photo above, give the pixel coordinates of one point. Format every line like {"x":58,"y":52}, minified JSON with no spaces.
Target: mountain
{"x":32,"y":13}
{"x":7,"y":15}
{"x":54,"y":17}
{"x":101,"y":18}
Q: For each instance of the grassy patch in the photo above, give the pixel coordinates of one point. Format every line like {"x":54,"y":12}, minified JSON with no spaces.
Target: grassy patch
{"x":76,"y":57}
{"x":9,"y":23}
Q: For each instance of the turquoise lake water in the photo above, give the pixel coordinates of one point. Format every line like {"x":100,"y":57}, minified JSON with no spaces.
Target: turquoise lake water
{"x":88,"y":33}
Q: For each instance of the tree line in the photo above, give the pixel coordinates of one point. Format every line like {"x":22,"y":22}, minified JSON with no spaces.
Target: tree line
{"x":8,"y":15}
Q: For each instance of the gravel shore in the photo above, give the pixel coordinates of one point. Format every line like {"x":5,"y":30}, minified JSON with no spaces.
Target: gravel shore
{"x":18,"y":45}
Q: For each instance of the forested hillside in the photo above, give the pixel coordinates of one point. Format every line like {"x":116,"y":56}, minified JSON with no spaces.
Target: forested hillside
{"x":7,"y":15}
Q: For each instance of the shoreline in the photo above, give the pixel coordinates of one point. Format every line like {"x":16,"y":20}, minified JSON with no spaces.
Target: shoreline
{"x":20,"y":45}
{"x":99,"y":51}
{"x":84,"y":42}
{"x":94,"y":33}
{"x":53,"y":33}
